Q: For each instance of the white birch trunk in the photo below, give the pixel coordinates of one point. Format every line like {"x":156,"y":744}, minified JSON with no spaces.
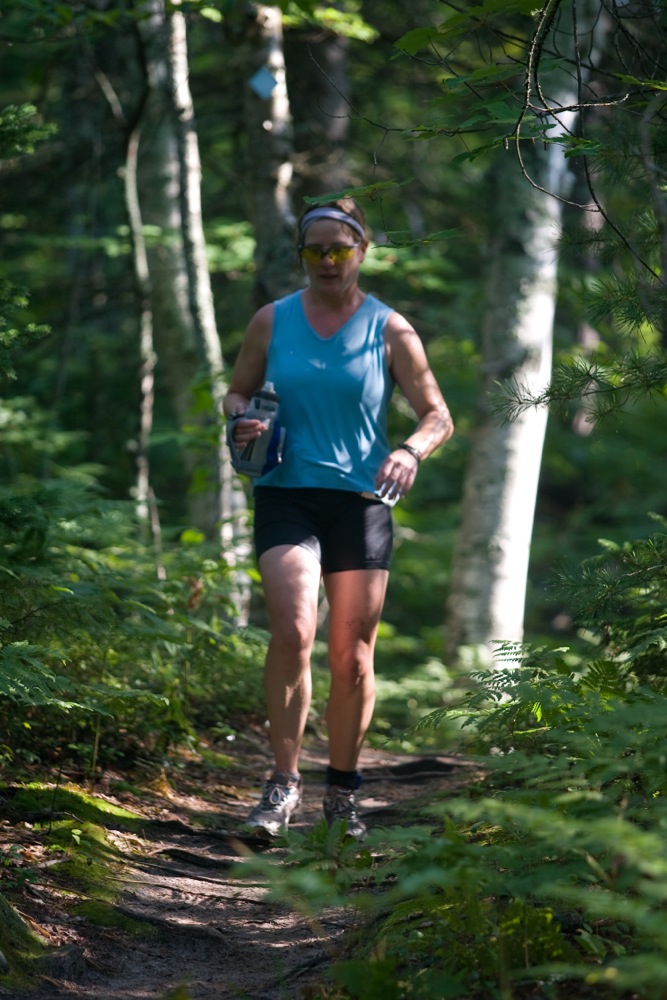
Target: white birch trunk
{"x":490,"y":568}
{"x":159,"y":186}
{"x":231,"y":510}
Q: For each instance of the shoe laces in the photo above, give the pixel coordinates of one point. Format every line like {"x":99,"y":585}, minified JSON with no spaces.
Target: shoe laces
{"x":341,"y":802}
{"x":277,"y":790}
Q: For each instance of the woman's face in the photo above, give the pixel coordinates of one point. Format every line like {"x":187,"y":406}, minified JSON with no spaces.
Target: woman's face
{"x":332,"y":272}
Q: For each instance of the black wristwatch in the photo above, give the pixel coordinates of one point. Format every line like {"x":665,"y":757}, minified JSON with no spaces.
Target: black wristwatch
{"x":411,"y":451}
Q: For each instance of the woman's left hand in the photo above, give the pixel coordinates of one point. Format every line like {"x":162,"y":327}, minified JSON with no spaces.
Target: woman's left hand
{"x":396,"y":475}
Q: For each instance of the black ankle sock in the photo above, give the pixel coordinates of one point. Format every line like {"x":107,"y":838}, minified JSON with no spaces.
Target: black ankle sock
{"x":343,"y":779}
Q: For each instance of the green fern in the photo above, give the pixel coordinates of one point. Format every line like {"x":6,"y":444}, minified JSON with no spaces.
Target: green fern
{"x":26,"y":679}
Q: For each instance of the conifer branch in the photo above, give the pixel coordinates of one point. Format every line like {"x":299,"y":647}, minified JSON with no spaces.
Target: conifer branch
{"x":606,"y":387}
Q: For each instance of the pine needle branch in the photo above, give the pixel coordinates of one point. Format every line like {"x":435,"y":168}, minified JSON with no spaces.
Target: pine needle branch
{"x":604,"y":388}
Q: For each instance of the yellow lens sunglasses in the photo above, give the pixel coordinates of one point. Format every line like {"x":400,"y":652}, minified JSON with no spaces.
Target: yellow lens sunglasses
{"x":339,"y":252}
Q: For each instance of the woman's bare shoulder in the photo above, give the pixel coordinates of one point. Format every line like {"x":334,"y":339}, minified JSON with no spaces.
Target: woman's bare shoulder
{"x":261,"y":324}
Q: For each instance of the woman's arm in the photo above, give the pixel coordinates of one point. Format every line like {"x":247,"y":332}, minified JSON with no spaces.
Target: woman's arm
{"x":248,"y":374}
{"x":412,"y":373}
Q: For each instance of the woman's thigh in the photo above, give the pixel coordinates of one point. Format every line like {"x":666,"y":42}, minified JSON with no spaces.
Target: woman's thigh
{"x":356,"y":599}
{"x":291,"y":581}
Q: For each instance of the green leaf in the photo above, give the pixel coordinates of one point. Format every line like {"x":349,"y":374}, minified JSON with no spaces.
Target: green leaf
{"x":417,"y":39}
{"x":371,"y":191}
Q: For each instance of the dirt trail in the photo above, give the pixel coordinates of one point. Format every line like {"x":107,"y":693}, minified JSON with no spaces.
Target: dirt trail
{"x":212,"y":935}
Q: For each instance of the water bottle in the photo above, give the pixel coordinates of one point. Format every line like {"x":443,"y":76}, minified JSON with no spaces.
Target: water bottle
{"x":266,"y":451}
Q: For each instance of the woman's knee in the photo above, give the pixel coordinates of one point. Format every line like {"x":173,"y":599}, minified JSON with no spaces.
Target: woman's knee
{"x":352,"y":667}
{"x":292,"y":637}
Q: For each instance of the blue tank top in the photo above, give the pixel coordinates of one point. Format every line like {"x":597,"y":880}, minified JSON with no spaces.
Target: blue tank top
{"x":334,"y":396}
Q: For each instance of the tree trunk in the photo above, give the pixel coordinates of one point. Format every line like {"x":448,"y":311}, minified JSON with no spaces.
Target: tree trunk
{"x":199,"y":286}
{"x":180,"y":352}
{"x":269,"y":156}
{"x":489,"y":574}
{"x":146,"y":507}
{"x":317,"y":79}
{"x":231,"y":509}
{"x":179,"y":326}
{"x":490,"y":567}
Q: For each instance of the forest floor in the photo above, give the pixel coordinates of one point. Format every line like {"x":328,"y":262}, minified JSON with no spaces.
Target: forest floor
{"x":181,"y":924}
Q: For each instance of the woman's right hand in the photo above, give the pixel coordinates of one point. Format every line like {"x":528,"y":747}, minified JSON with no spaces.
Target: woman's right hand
{"x":246,"y":431}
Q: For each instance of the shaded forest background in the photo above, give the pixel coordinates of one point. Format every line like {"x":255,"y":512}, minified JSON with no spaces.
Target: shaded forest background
{"x":122,"y":641}
{"x":76,"y":264}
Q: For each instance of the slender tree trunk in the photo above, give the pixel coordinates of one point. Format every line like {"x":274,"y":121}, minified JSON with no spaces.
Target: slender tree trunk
{"x":180,"y":351}
{"x":490,"y":567}
{"x":232,"y":506}
{"x":146,"y":507}
{"x":269,"y":156}
{"x":178,"y":326}
{"x":200,"y":296}
{"x":147,"y":512}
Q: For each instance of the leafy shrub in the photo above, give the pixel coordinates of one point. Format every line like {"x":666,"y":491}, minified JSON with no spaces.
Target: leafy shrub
{"x":95,"y":648}
{"x":548,"y":877}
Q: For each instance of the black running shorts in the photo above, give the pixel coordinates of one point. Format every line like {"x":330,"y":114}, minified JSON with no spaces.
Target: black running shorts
{"x":344,"y":530}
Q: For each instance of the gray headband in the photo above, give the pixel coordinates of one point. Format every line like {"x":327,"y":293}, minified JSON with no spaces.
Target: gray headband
{"x":330,"y":213}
